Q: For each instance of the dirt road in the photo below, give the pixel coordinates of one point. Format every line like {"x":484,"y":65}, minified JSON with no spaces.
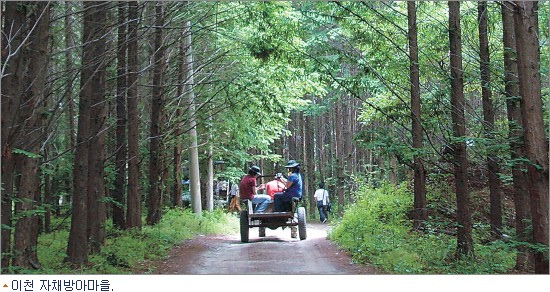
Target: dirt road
{"x":275,"y":254}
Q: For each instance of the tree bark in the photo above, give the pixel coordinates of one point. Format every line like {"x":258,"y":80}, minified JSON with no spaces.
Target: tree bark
{"x":210,"y":164}
{"x":310,"y":165}
{"x":13,"y":32}
{"x":48,"y":199}
{"x":515,"y":135}
{"x":331,"y":142}
{"x":319,"y":140}
{"x":393,"y":169}
{"x":98,"y":116}
{"x":420,"y":213}
{"x":121,"y":149}
{"x":69,"y":43}
{"x":347,"y":134}
{"x":210,"y":177}
{"x":77,"y":248}
{"x":535,"y":140}
{"x":133,"y":212}
{"x":157,"y":104}
{"x":30,"y":119}
{"x":194,"y":173}
{"x":69,"y":98}
{"x":292,"y":137}
{"x":465,"y":245}
{"x":177,"y":189}
{"x":339,"y":157}
{"x":489,"y":122}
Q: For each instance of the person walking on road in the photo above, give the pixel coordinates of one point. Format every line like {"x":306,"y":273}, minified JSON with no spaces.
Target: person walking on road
{"x":321,"y":195}
{"x":234,"y":201}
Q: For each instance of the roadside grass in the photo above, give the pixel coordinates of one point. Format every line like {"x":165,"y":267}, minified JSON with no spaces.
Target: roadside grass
{"x":376,"y":230}
{"x":131,"y":251}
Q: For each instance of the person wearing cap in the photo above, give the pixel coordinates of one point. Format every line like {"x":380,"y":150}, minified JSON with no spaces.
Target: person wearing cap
{"x":249,"y":191}
{"x":277,"y":185}
{"x":293,"y":188}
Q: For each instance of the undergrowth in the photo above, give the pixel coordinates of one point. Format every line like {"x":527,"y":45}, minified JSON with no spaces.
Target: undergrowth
{"x":132,"y":251}
{"x":376,"y":230}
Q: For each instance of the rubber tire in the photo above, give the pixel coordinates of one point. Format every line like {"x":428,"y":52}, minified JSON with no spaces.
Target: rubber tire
{"x":244,"y":226}
{"x":302,"y":223}
{"x":262,"y":231}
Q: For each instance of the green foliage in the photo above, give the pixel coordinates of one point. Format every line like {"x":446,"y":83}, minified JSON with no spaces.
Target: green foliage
{"x":375,"y":229}
{"x":26,"y":153}
{"x":130,"y":251}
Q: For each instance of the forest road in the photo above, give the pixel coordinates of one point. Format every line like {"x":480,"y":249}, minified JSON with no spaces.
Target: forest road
{"x":275,"y":254}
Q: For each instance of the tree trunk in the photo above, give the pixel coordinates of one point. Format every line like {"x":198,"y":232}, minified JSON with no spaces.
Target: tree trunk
{"x":177,"y":189}
{"x":25,"y":226}
{"x":535,"y":140}
{"x":465,"y":245}
{"x":319,"y":140}
{"x":292,"y":137}
{"x":331,"y":139}
{"x":299,"y":139}
{"x":154,"y":207}
{"x":133,"y":212}
{"x":13,"y":32}
{"x":121,"y":151}
{"x":339,"y":158}
{"x":30,"y":119}
{"x":310,"y":165}
{"x":515,"y":134}
{"x":69,"y":43}
{"x":165,"y":170}
{"x":393,"y":169}
{"x":77,"y":248}
{"x":348,"y":136}
{"x":210,"y":178}
{"x":210,"y":164}
{"x":8,"y":164}
{"x":489,"y":122}
{"x":69,"y":95}
{"x":194,"y":173}
{"x":98,"y":116}
{"x":420,"y":214}
{"x":48,"y":200}
{"x":372,"y":159}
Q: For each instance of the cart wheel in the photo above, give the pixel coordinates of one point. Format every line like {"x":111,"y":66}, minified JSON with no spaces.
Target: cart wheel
{"x":244,"y":226}
{"x":262,"y":231}
{"x":302,"y":223}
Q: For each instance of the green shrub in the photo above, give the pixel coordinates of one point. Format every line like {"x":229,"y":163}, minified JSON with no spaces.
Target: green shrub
{"x":125,"y":250}
{"x":376,"y":230}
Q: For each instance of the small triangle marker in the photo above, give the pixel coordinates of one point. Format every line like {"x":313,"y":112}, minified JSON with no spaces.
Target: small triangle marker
{"x":5,"y":286}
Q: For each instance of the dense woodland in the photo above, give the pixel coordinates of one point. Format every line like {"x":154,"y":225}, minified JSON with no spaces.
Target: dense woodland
{"x":107,"y":106}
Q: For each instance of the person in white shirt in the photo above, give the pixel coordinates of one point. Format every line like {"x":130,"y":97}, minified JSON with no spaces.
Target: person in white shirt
{"x":234,"y":198}
{"x":321,"y":195}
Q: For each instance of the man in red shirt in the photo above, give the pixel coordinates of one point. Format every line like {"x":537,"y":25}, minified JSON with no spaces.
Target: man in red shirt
{"x":249,"y":191}
{"x":275,"y":186}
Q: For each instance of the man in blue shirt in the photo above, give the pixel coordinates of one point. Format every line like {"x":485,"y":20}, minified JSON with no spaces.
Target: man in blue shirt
{"x":293,"y":188}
